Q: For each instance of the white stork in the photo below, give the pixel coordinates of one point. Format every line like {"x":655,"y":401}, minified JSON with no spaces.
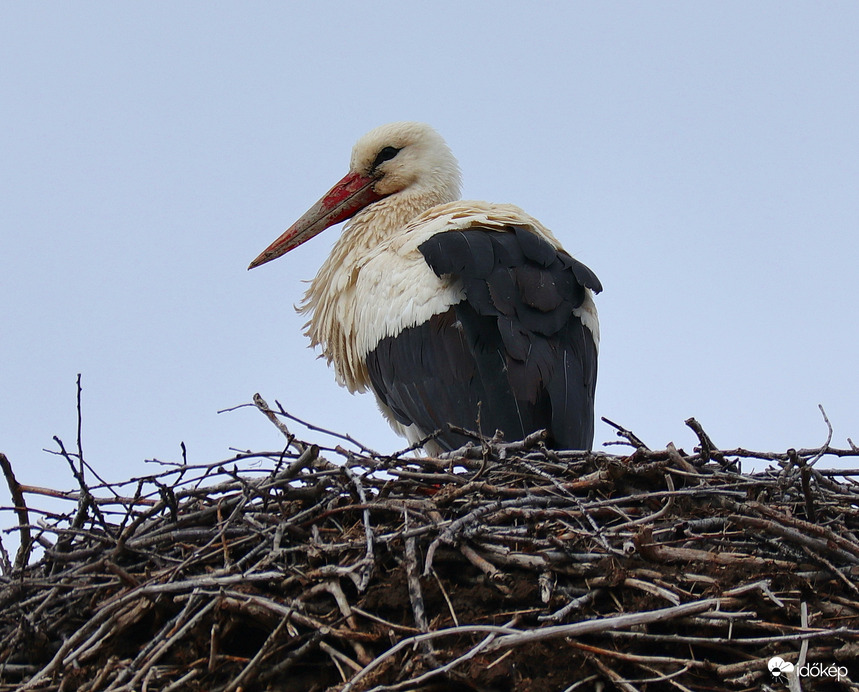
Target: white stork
{"x":452,"y":312}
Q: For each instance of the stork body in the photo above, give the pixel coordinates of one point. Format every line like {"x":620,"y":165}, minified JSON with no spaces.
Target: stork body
{"x":451,"y":312}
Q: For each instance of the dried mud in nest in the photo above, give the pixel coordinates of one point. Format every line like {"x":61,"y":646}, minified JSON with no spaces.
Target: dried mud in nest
{"x":502,"y":567}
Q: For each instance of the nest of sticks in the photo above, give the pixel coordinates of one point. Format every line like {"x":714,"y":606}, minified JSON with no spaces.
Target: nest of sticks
{"x":503,"y":566}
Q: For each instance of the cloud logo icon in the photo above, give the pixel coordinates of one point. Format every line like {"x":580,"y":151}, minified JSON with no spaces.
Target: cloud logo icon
{"x":778,"y":666}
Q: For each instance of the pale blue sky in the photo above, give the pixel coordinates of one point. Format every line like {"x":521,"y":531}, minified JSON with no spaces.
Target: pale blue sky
{"x":701,"y":158}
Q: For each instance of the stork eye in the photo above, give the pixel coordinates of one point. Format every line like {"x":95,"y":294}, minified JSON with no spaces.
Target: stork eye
{"x":385,"y":155}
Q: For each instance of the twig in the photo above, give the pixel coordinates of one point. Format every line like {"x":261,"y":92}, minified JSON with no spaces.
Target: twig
{"x":339,"y":656}
{"x":578,"y":629}
{"x":708,"y":449}
{"x":180,"y":683}
{"x":825,"y":447}
{"x":447,"y":600}
{"x":85,"y":501}
{"x":249,"y":672}
{"x":417,"y":639}
{"x":628,"y":435}
{"x":23,"y":554}
{"x":612,"y":675}
{"x":416,"y":682}
{"x":163,"y":646}
{"x":80,"y":425}
{"x":415,"y":594}
{"x":369,"y":557}
{"x":261,"y":404}
{"x":574,"y":604}
{"x":805,"y":479}
{"x":330,"y":433}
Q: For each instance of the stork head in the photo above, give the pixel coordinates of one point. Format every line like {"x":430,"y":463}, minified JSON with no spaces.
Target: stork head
{"x":408,"y":161}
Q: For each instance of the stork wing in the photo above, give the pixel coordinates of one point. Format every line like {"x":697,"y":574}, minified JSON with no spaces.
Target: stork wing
{"x":513,"y":355}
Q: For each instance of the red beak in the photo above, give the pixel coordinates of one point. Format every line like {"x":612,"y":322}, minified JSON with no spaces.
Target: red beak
{"x":341,"y":202}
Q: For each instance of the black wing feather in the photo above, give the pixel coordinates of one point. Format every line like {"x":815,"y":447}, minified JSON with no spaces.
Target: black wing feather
{"x":510,"y":356}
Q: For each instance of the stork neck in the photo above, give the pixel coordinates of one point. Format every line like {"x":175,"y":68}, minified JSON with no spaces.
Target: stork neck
{"x":389,"y":216}
{"x":331,"y":298}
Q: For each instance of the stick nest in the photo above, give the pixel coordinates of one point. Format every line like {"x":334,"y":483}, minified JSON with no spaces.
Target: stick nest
{"x":500,"y":567}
